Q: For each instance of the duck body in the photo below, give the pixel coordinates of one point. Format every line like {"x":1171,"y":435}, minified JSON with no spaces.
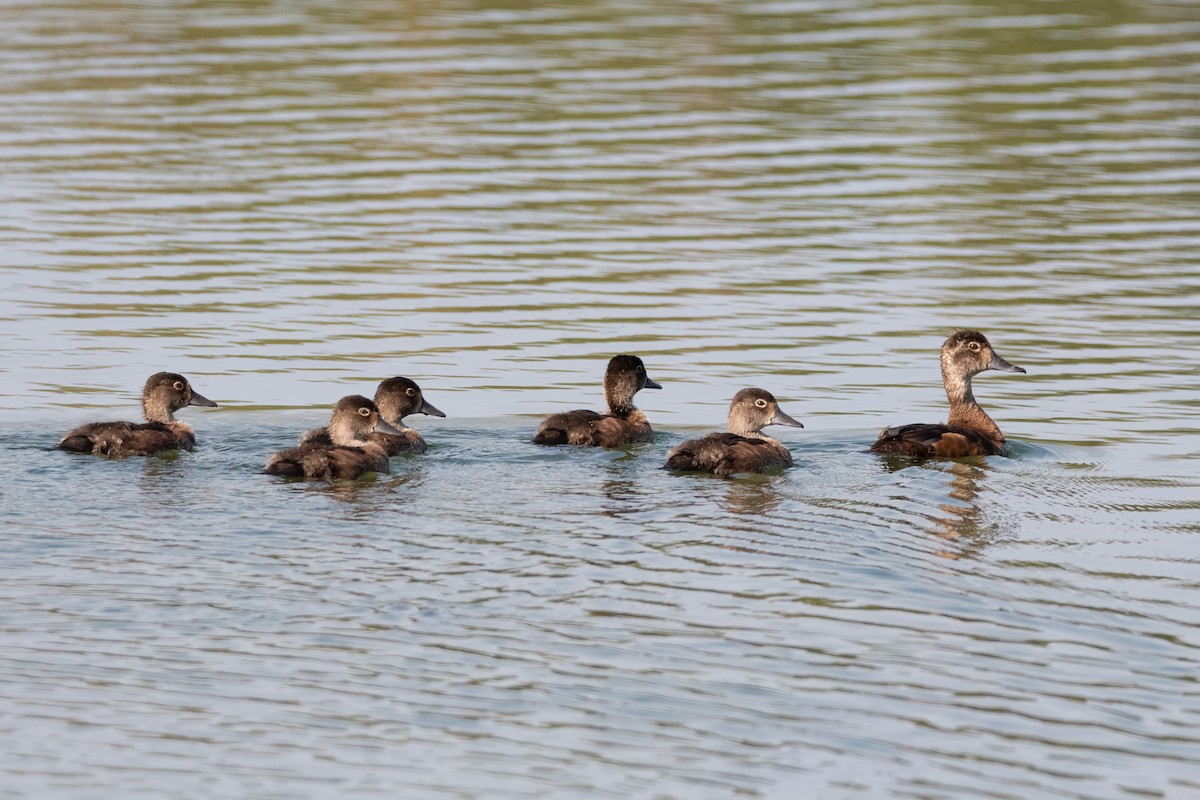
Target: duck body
{"x":969,"y":431}
{"x":623,"y":424}
{"x":163,"y":395}
{"x":346,"y":454}
{"x":395,"y":398}
{"x":744,"y":449}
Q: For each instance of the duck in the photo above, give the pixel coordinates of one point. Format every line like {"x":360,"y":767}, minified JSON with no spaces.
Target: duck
{"x":623,"y":424}
{"x":163,"y":395}
{"x":969,"y":430}
{"x":395,"y":398}
{"x":349,"y":454}
{"x":744,"y":449}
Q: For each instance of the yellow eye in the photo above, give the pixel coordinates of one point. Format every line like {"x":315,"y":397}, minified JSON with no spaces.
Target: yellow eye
{"x":179,"y":386}
{"x":760,"y":403}
{"x":366,"y":412}
{"x":410,"y":391}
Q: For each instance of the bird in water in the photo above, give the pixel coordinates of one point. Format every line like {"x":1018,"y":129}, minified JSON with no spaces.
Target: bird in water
{"x":745,"y":448}
{"x":163,"y":395}
{"x":969,"y":431}
{"x":349,"y":454}
{"x":624,"y":423}
{"x":396,"y":398}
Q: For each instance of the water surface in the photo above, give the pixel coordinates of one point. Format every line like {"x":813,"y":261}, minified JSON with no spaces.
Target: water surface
{"x":290,"y":201}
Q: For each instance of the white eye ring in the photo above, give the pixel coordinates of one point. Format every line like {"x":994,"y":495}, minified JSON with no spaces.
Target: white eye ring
{"x":410,"y":391}
{"x":179,"y":386}
{"x":366,"y":412}
{"x":760,"y":403}
{"x":974,"y":346}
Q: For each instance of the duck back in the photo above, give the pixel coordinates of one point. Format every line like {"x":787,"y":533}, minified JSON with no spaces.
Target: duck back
{"x":128,"y":438}
{"x":408,"y":442}
{"x":936,"y":441}
{"x":327,"y":462}
{"x":728,"y":454}
{"x":590,"y":428}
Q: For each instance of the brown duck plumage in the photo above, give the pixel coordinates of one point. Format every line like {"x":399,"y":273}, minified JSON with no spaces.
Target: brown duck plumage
{"x":969,"y":431}
{"x":348,"y":455}
{"x":396,"y":398}
{"x":624,"y":423}
{"x":744,"y":448}
{"x":163,"y":395}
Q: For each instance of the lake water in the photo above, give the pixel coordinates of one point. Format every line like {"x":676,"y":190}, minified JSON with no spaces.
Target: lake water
{"x":288,"y":201}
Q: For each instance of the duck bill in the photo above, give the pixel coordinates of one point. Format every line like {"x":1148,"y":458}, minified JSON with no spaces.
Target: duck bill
{"x":651,"y":384}
{"x":781,"y":418}
{"x":200,"y":400}
{"x":383,"y":427}
{"x":428,"y":409}
{"x":1000,"y":364}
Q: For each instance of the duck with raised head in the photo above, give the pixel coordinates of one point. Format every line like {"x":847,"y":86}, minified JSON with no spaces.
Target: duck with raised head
{"x":624,"y":423}
{"x":163,"y":395}
{"x":396,"y":398}
{"x":745,"y":448}
{"x":349,"y":454}
{"x":969,"y":431}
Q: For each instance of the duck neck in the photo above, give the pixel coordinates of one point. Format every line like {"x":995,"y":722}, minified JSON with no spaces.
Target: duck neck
{"x":965,"y":411}
{"x":343,"y":435}
{"x":620,"y":407}
{"x":157,"y":410}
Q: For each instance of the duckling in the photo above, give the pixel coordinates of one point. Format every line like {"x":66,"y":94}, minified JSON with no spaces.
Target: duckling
{"x":744,"y":448}
{"x":624,"y":423}
{"x":969,"y":431}
{"x":349,"y":454}
{"x":163,"y":395}
{"x":396,"y":398}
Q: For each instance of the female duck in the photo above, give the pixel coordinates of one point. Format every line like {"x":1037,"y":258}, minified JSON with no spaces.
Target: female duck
{"x":744,"y":448}
{"x":969,"y":431}
{"x":163,"y":395}
{"x":624,"y":423}
{"x":349,"y":453}
{"x":396,"y":398}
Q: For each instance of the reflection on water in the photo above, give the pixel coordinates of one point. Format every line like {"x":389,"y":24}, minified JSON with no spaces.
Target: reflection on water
{"x":288,"y":202}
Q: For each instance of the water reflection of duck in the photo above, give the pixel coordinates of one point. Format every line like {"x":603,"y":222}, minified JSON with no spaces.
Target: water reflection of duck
{"x":744,"y":448}
{"x":349,"y":453}
{"x":624,"y":423}
{"x":395,"y":398}
{"x":969,"y":430}
{"x":163,"y":395}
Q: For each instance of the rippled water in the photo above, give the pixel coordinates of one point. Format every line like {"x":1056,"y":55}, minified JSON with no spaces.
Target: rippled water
{"x":289,"y":201}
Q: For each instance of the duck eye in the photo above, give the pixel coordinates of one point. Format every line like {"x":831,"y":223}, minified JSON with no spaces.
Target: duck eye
{"x":974,"y":347}
{"x":760,"y":403}
{"x":366,"y":412}
{"x":410,"y":391}
{"x":179,"y":386}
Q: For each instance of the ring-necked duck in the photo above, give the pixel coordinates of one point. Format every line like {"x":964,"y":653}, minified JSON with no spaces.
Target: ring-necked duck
{"x":396,"y":398}
{"x":744,"y":448}
{"x":969,"y":431}
{"x":163,"y":395}
{"x":349,"y":454}
{"x":625,"y":377}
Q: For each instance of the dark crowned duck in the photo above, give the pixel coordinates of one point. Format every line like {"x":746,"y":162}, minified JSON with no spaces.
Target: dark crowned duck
{"x":744,"y":448}
{"x":348,"y":455}
{"x":396,"y":398}
{"x":624,"y":423}
{"x":163,"y":395}
{"x":969,"y":431}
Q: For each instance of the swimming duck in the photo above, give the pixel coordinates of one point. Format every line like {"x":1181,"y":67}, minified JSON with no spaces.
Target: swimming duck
{"x":744,"y":448}
{"x":396,"y":398}
{"x":348,"y":455}
{"x":163,"y":395}
{"x":969,"y":431}
{"x":624,"y":423}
